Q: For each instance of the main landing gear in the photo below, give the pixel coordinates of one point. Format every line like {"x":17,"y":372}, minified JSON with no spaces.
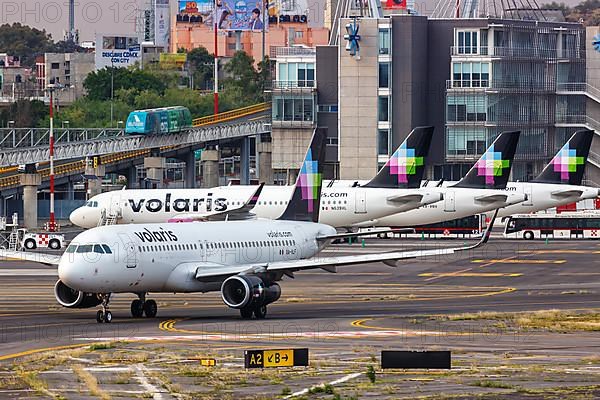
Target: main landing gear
{"x":259,"y":312}
{"x":142,"y":307}
{"x":104,"y":315}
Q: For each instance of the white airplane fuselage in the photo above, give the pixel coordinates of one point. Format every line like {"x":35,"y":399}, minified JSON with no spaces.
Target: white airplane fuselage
{"x":340,"y":207}
{"x":165,"y":257}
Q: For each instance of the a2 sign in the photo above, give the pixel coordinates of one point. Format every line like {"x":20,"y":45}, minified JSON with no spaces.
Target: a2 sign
{"x":276,"y":358}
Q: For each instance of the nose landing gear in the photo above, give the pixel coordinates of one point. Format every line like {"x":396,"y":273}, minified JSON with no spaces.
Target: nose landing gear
{"x":104,"y":315}
{"x":142,"y":307}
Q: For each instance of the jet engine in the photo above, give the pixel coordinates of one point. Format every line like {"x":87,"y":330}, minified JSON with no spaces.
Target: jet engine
{"x":243,"y":291}
{"x":72,"y":298}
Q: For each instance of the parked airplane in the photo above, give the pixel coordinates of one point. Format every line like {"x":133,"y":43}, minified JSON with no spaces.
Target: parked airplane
{"x":243,"y":260}
{"x":341,"y":207}
{"x":483,"y":189}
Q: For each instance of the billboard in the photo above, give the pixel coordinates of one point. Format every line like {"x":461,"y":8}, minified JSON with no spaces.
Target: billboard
{"x":172,"y":60}
{"x":232,"y":15}
{"x":162,"y":23}
{"x":117,"y":51}
{"x":394,"y":4}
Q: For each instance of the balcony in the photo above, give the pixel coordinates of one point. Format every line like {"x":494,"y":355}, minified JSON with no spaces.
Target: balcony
{"x":515,"y":52}
{"x":285,"y":85}
{"x":295,"y":51}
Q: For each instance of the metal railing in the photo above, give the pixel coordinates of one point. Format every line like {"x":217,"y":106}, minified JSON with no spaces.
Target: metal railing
{"x":579,"y":88}
{"x":13,"y":138}
{"x":516,"y":52}
{"x":295,"y":51}
{"x":231,"y":115}
{"x":306,"y":84}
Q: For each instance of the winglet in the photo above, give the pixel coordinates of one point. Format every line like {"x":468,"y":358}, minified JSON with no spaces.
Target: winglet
{"x":405,"y":168}
{"x":492,"y":170}
{"x":254,"y":198}
{"x":568,"y":165}
{"x":306,"y":199}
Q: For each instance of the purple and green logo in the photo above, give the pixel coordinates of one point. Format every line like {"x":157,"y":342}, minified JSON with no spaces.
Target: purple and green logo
{"x":566,"y":161}
{"x":310,"y":180}
{"x":404,"y":162}
{"x":491,"y":165}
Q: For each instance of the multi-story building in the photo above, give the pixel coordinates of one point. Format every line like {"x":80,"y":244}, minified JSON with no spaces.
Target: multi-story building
{"x":68,"y":70}
{"x":469,"y":78}
{"x":16,"y":82}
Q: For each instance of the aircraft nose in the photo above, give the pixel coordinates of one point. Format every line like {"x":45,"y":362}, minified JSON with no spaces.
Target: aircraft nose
{"x":67,"y":272}
{"x":80,"y":218}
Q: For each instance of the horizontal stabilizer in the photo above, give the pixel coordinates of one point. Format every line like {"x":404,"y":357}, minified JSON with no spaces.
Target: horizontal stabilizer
{"x":567,"y":193}
{"x":492,"y":198}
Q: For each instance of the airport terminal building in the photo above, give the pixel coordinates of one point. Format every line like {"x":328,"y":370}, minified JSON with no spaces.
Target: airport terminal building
{"x":469,"y":78}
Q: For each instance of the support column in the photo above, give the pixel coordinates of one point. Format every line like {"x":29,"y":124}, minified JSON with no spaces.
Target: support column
{"x":132,"y":181}
{"x":94,"y":178}
{"x":2,"y":210}
{"x":245,"y":161}
{"x":70,"y":190}
{"x":155,"y":171}
{"x":292,"y":176}
{"x":265,"y":162}
{"x":30,"y":183}
{"x":210,"y":167}
{"x":190,"y":170}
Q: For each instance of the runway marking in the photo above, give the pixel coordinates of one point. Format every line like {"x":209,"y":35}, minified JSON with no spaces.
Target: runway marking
{"x":506,"y":261}
{"x":566,"y":251}
{"x":470,"y":274}
{"x":332,"y":383}
{"x":42,"y":350}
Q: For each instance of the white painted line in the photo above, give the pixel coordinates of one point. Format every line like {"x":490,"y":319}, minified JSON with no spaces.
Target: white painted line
{"x":332,"y":383}
{"x":145,"y":383}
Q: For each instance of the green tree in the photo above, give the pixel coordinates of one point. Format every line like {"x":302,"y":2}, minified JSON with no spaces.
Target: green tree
{"x":201,"y":64}
{"x":24,"y":41}
{"x":25,"y":113}
{"x":98,"y":83}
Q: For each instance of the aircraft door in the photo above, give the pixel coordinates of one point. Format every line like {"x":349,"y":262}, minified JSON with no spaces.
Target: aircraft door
{"x":115,"y":205}
{"x":129,"y":257}
{"x":449,"y":201}
{"x":528,"y":190}
{"x":360,"y":206}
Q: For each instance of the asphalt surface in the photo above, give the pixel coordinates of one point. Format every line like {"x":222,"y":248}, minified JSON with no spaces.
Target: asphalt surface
{"x":368,"y":303}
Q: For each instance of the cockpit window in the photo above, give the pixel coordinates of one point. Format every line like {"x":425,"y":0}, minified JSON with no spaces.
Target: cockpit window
{"x":106,"y":249}
{"x":71,"y":248}
{"x":98,"y":249}
{"x":85,"y":248}
{"x":93,"y":204}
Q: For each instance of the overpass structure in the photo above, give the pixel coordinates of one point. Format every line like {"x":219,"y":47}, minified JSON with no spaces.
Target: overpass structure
{"x":113,"y":151}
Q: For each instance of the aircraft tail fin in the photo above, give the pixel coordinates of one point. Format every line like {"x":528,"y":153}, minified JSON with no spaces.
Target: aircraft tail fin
{"x":306,"y":199}
{"x":568,"y":165}
{"x":405,"y":168}
{"x":492,"y":170}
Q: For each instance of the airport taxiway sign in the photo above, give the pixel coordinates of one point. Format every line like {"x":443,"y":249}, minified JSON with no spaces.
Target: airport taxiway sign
{"x":276,"y":358}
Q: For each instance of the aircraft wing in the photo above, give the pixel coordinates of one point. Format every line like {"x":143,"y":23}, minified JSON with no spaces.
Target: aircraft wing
{"x":330,"y":263}
{"x":241,"y":213}
{"x":41,"y":258}
{"x":567,"y":193}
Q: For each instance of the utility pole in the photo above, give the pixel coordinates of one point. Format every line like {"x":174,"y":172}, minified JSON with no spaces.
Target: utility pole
{"x":112,"y":91}
{"x":52,"y":224}
{"x":216,"y":79}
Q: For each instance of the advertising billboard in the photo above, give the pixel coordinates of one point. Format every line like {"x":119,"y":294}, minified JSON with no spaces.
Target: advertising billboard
{"x":394,"y":4}
{"x":162,"y":23}
{"x":172,"y":60}
{"x":117,"y":51}
{"x":232,"y":15}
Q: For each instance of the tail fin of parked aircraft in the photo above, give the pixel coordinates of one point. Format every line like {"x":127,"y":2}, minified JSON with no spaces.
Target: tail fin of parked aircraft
{"x":568,"y":165}
{"x":306,"y":199}
{"x":406,"y":166}
{"x":491,"y":171}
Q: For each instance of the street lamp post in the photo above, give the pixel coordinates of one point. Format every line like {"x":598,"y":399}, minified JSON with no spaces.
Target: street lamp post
{"x":52,"y":224}
{"x":112,"y":91}
{"x":216,"y":89}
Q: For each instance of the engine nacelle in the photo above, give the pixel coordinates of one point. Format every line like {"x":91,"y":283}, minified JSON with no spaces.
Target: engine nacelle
{"x":242,"y":291}
{"x":71,"y":298}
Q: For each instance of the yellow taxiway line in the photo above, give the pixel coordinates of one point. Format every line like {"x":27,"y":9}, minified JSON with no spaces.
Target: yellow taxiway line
{"x":469,"y":274}
{"x":512,"y":261}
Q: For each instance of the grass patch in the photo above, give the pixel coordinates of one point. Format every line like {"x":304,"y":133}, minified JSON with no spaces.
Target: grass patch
{"x":493,"y":384}
{"x":100,"y":346}
{"x":90,"y":382}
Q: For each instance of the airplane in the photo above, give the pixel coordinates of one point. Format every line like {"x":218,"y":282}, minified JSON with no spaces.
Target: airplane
{"x":483,"y":189}
{"x":243,"y":260}
{"x":560,"y":182}
{"x":396,"y":188}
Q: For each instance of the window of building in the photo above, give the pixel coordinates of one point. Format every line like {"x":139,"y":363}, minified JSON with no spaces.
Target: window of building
{"x":383,"y":108}
{"x":384,"y":75}
{"x":466,"y":108}
{"x":466,"y":141}
{"x":470,"y":74}
{"x":383,"y":142}
{"x":328,"y":108}
{"x":296,"y":74}
{"x":293,"y":109}
{"x":55,"y":66}
{"x":384,"y":41}
{"x":467,"y":42}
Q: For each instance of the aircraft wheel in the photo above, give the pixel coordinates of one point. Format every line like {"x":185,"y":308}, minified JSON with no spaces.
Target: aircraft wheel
{"x":260,"y":312}
{"x":150,"y":308}
{"x":137,"y":308}
{"x":100,"y":317}
{"x":246,"y":313}
{"x":108,"y":317}
{"x":528,"y":235}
